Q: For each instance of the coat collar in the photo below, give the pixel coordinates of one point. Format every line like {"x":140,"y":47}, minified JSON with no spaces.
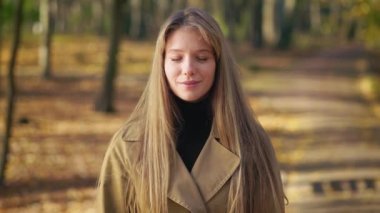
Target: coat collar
{"x":212,"y":169}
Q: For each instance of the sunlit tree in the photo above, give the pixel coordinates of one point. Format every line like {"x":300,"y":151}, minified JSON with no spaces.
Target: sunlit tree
{"x":104,"y":101}
{"x":46,"y":23}
{"x":11,"y":91}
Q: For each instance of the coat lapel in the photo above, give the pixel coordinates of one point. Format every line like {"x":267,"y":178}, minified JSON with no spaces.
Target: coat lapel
{"x":212,"y":169}
{"x":182,"y":188}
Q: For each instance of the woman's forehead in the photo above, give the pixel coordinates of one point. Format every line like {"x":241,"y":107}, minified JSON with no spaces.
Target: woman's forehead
{"x":187,"y":37}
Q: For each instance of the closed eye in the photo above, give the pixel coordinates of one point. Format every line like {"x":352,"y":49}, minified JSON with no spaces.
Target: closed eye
{"x":176,"y":59}
{"x":202,"y":59}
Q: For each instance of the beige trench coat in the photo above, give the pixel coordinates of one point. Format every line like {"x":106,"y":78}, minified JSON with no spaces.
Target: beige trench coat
{"x":205,"y":189}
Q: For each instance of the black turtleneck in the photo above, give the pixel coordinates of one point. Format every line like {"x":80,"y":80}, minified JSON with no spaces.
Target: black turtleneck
{"x":194,"y":129}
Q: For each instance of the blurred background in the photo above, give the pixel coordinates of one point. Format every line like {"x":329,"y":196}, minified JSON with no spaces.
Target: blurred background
{"x":72,"y":71}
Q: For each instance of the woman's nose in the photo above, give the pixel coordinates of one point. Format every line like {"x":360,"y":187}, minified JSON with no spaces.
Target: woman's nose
{"x":188,"y":67}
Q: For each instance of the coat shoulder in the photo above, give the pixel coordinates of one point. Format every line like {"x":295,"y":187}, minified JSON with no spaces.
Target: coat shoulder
{"x":129,"y":132}
{"x":125,"y":143}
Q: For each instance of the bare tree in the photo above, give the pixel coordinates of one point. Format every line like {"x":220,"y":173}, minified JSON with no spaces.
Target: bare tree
{"x":229,"y":16}
{"x":162,"y":11}
{"x":136,"y":18}
{"x":270,"y":34}
{"x":1,"y":34}
{"x":99,"y":11}
{"x":335,"y":14}
{"x":291,"y":9}
{"x":315,"y":15}
{"x":46,"y":21}
{"x":11,"y":91}
{"x":256,"y":7}
{"x":104,"y":101}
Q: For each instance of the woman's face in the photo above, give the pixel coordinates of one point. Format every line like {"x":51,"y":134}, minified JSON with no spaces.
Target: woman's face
{"x":189,"y":64}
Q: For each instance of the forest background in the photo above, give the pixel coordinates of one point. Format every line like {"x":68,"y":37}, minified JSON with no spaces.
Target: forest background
{"x":72,"y":70}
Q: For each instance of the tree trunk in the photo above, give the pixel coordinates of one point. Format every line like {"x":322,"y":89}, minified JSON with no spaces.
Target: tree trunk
{"x":98,"y":16}
{"x":269,"y":29}
{"x":62,"y":13}
{"x":136,"y":19}
{"x":162,"y":11}
{"x":11,"y":91}
{"x":334,"y":17}
{"x":46,"y":36}
{"x":256,"y":6}
{"x":352,"y":30}
{"x":290,"y":11}
{"x":1,"y":34}
{"x":315,"y":15}
{"x":104,"y":101}
{"x":147,"y":15}
{"x":229,"y":17}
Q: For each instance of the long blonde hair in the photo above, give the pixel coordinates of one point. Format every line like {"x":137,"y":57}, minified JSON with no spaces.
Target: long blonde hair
{"x":256,"y":186}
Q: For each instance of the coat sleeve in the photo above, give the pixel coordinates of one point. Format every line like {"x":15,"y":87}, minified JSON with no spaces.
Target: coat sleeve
{"x":112,"y":186}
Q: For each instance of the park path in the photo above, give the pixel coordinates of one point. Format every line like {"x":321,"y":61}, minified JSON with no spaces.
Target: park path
{"x":326,"y":135}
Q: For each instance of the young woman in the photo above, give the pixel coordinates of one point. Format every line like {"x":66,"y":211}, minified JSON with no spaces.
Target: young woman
{"x":192,"y":143}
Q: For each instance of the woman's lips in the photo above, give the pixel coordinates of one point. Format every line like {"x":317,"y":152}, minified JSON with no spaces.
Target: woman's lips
{"x":190,"y":83}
